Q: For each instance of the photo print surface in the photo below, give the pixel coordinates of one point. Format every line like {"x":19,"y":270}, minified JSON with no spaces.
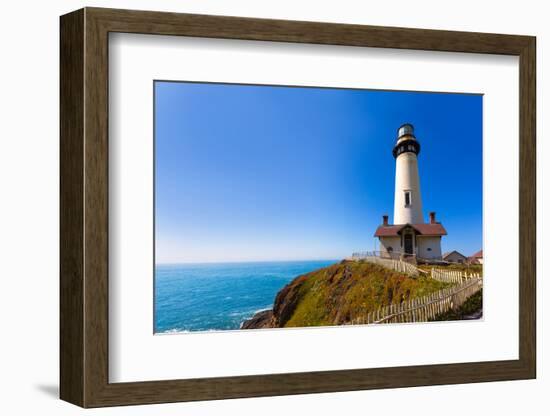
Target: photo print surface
{"x":285,"y":206}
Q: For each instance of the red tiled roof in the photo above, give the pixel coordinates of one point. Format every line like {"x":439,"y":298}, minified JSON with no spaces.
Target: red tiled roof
{"x":388,"y":230}
{"x":430,"y":229}
{"x":435,"y":229}
{"x":478,"y":255}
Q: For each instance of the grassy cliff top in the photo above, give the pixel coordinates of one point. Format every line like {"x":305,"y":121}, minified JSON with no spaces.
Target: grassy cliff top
{"x":338,"y":294}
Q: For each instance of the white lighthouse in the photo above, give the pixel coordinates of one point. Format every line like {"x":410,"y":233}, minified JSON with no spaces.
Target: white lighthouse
{"x":407,"y":207}
{"x":409,"y":237}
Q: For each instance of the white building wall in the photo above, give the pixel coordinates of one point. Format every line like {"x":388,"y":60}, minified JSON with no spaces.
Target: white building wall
{"x":406,"y":179}
{"x":393,"y":242}
{"x":425,"y":243}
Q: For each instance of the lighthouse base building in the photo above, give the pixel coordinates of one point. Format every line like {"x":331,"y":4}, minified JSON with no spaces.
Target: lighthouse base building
{"x":409,"y":237}
{"x":419,"y":241}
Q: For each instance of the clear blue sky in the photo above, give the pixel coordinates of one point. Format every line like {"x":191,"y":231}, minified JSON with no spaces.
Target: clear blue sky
{"x":247,"y":173}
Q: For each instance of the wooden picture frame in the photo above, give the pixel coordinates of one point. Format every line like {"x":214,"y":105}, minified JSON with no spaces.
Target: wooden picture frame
{"x":84,"y":207}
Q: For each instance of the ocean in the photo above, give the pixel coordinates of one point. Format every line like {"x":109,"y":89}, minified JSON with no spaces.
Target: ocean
{"x":220,"y":296}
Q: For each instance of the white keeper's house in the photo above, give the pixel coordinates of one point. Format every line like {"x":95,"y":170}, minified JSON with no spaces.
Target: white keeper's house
{"x":409,"y":236}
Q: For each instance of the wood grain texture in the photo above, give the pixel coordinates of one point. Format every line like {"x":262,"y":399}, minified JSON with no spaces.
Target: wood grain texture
{"x":527,"y":208}
{"x":84,"y":207}
{"x":96,"y":209}
{"x":72,"y":215}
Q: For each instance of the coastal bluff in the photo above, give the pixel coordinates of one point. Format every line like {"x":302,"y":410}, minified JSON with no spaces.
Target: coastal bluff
{"x":338,"y":295}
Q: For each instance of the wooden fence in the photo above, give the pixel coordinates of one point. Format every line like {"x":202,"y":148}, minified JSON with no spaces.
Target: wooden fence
{"x":447,"y":276}
{"x":426,"y":307}
{"x":451,"y":276}
{"x":394,"y":264}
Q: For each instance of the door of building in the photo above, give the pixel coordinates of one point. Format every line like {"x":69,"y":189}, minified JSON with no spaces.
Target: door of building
{"x":408,"y":244}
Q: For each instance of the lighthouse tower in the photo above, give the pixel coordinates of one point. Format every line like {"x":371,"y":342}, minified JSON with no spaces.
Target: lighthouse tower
{"x":409,"y":237}
{"x":407,"y":207}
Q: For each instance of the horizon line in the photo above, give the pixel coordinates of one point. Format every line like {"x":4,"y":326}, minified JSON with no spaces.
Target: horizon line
{"x":246,"y":261}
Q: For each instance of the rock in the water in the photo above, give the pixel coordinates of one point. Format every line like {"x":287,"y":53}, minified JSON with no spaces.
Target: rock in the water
{"x":259,"y":320}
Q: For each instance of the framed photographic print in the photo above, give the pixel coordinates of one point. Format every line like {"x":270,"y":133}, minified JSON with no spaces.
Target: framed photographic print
{"x":255,"y":207}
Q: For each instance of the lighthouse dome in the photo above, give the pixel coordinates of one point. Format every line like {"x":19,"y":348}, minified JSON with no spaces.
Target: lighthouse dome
{"x":405,"y":130}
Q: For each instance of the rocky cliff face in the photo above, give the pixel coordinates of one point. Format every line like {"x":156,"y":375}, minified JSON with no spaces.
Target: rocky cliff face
{"x":262,"y":319}
{"x":338,"y":294}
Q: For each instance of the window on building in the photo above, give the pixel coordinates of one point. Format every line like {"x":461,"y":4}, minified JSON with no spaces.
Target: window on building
{"x":429,"y":249}
{"x":407,"y":198}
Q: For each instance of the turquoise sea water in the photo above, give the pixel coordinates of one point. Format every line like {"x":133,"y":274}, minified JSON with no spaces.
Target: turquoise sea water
{"x":205,"y":297}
